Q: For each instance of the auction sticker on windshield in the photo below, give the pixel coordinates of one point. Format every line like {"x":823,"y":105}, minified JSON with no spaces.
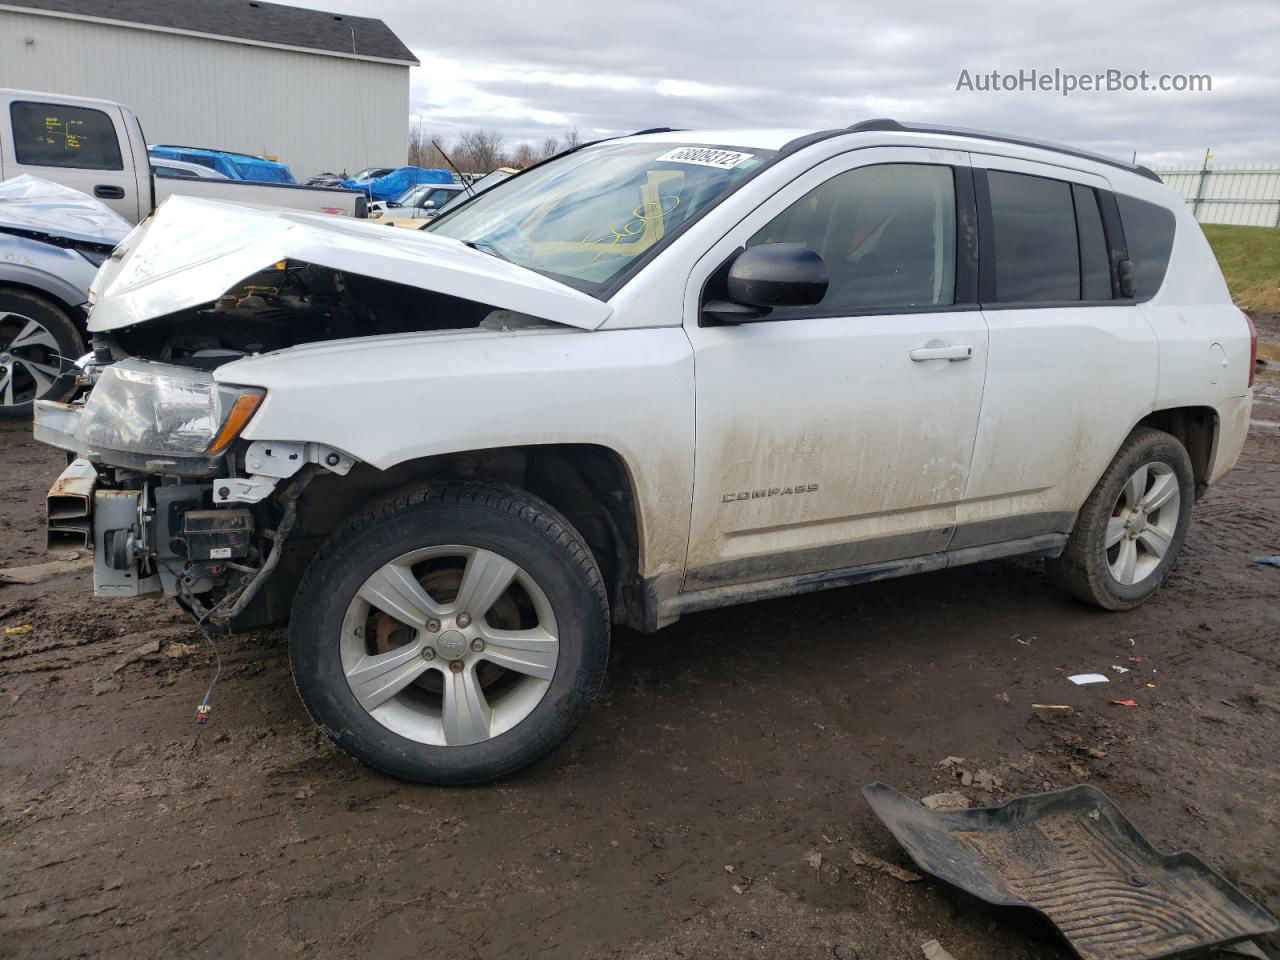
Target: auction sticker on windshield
{"x":706,"y":157}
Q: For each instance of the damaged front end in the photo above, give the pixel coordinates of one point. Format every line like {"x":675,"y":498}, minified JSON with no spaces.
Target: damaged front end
{"x":164,"y":492}
{"x":163,"y":487}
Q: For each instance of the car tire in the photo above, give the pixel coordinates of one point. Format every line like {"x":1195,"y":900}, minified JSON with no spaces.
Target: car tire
{"x":39,"y":345}
{"x":429,"y":693}
{"x":1129,"y":532}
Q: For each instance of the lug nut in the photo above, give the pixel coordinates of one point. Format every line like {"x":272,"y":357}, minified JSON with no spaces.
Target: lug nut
{"x":477,"y":645}
{"x":433,"y":626}
{"x":428,"y":653}
{"x":455,"y":666}
{"x":464,"y":619}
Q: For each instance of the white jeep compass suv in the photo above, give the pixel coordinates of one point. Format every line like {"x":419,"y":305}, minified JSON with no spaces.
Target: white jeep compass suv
{"x":652,"y":375}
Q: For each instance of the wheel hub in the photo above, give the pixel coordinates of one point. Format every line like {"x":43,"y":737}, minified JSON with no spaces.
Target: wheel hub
{"x":451,"y":644}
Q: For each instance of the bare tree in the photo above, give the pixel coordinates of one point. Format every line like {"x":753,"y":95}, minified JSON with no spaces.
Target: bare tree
{"x":479,"y":151}
{"x":550,"y":147}
{"x":524,"y":156}
{"x":423,"y":151}
{"x":417,"y":147}
{"x":571,"y":138}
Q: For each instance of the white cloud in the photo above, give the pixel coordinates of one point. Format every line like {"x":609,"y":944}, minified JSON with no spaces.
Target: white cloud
{"x":530,"y":70}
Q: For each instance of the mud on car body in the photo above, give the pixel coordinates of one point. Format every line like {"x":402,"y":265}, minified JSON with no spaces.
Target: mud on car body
{"x":451,"y":459}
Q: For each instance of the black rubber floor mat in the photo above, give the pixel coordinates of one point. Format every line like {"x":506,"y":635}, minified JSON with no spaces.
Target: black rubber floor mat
{"x":1075,"y":858}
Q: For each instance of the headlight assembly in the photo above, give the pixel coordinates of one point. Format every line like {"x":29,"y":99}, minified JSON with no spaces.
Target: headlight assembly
{"x":164,"y":411}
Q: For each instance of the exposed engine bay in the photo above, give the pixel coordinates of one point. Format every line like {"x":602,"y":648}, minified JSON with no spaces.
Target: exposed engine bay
{"x":285,"y":306}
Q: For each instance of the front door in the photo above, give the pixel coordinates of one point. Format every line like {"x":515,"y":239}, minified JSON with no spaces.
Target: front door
{"x":841,"y":434}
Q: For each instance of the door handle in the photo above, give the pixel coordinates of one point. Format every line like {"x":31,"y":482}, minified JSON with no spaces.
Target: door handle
{"x":950,"y":352}
{"x":105,"y":191}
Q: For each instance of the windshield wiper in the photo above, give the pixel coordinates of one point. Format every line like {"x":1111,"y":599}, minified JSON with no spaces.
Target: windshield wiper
{"x":485,"y":246}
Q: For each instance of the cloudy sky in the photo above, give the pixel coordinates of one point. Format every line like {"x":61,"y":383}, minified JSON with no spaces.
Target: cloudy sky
{"x":532,"y":68}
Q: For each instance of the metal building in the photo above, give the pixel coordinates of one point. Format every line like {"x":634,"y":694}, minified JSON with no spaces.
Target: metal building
{"x":319,"y":91}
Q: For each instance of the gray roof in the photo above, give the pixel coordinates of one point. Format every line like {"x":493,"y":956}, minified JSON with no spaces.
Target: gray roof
{"x":251,"y":20}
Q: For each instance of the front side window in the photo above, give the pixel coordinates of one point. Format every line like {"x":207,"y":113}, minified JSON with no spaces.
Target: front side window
{"x":1148,"y":232}
{"x":586,"y":216}
{"x":55,"y":135}
{"x":887,"y":234}
{"x":1034,"y":222}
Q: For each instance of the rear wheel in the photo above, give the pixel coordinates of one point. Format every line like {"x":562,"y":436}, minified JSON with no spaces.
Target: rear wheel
{"x":38,"y":348}
{"x":451,"y":635}
{"x":1133,"y":525}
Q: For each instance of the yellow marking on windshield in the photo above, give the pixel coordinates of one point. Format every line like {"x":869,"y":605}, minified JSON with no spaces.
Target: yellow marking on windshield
{"x":646,"y":224}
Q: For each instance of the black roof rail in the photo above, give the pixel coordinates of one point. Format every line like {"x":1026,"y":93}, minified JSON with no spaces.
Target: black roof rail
{"x":888,"y":124}
{"x":641,"y":133}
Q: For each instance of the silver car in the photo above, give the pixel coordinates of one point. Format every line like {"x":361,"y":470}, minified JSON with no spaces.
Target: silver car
{"x":52,"y":241}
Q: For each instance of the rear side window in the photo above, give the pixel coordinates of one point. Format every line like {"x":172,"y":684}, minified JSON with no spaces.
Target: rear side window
{"x":1095,"y":266}
{"x":1036,"y":249}
{"x":55,"y":135}
{"x":1148,"y":233}
{"x":886,"y":232}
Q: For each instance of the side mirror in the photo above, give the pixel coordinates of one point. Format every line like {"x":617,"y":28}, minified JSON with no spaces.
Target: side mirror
{"x":767,"y":276}
{"x":429,"y":205}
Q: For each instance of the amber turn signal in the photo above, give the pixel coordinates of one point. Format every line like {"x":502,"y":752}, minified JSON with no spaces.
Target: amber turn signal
{"x":242,"y":412}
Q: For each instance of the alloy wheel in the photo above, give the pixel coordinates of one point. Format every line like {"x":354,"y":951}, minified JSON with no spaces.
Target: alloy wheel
{"x":30,"y":363}
{"x":1143,"y":522}
{"x":449,"y":645}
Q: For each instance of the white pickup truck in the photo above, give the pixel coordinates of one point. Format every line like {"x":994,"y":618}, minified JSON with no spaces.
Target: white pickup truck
{"x":97,"y":147}
{"x":653,"y":375}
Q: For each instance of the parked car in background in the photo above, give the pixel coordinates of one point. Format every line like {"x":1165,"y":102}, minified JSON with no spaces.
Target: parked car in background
{"x":97,"y":147}
{"x":52,"y":241}
{"x":164,"y":167}
{"x":233,"y":166}
{"x":417,"y":203}
{"x":391,"y":185}
{"x":330,"y":179}
{"x":651,"y":376}
{"x":480,"y":185}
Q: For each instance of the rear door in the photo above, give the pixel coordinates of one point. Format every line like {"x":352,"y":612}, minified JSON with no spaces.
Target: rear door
{"x":839,"y":435}
{"x":1072,"y":367}
{"x":68,"y":142}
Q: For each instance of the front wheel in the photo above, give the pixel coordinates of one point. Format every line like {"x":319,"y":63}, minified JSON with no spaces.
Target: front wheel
{"x":1132,"y":527}
{"x":451,"y":635}
{"x":39,"y":345}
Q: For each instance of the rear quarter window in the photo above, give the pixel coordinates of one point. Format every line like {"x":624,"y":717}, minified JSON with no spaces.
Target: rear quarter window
{"x":1148,"y":233}
{"x":56,"y":135}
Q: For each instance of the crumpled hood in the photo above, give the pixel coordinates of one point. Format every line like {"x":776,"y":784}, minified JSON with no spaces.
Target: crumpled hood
{"x":191,"y":251}
{"x":37,"y":205}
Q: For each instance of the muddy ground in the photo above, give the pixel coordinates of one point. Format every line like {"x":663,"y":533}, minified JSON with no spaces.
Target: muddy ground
{"x":681,"y":819}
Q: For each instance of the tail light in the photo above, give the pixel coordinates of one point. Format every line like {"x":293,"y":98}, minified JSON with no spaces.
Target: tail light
{"x":1253,"y":348}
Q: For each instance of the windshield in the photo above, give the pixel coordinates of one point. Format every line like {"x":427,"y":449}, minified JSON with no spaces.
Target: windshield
{"x":587,"y":215}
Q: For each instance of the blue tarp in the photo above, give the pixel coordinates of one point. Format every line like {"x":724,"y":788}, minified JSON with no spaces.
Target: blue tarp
{"x":237,"y":166}
{"x":397,"y":182}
